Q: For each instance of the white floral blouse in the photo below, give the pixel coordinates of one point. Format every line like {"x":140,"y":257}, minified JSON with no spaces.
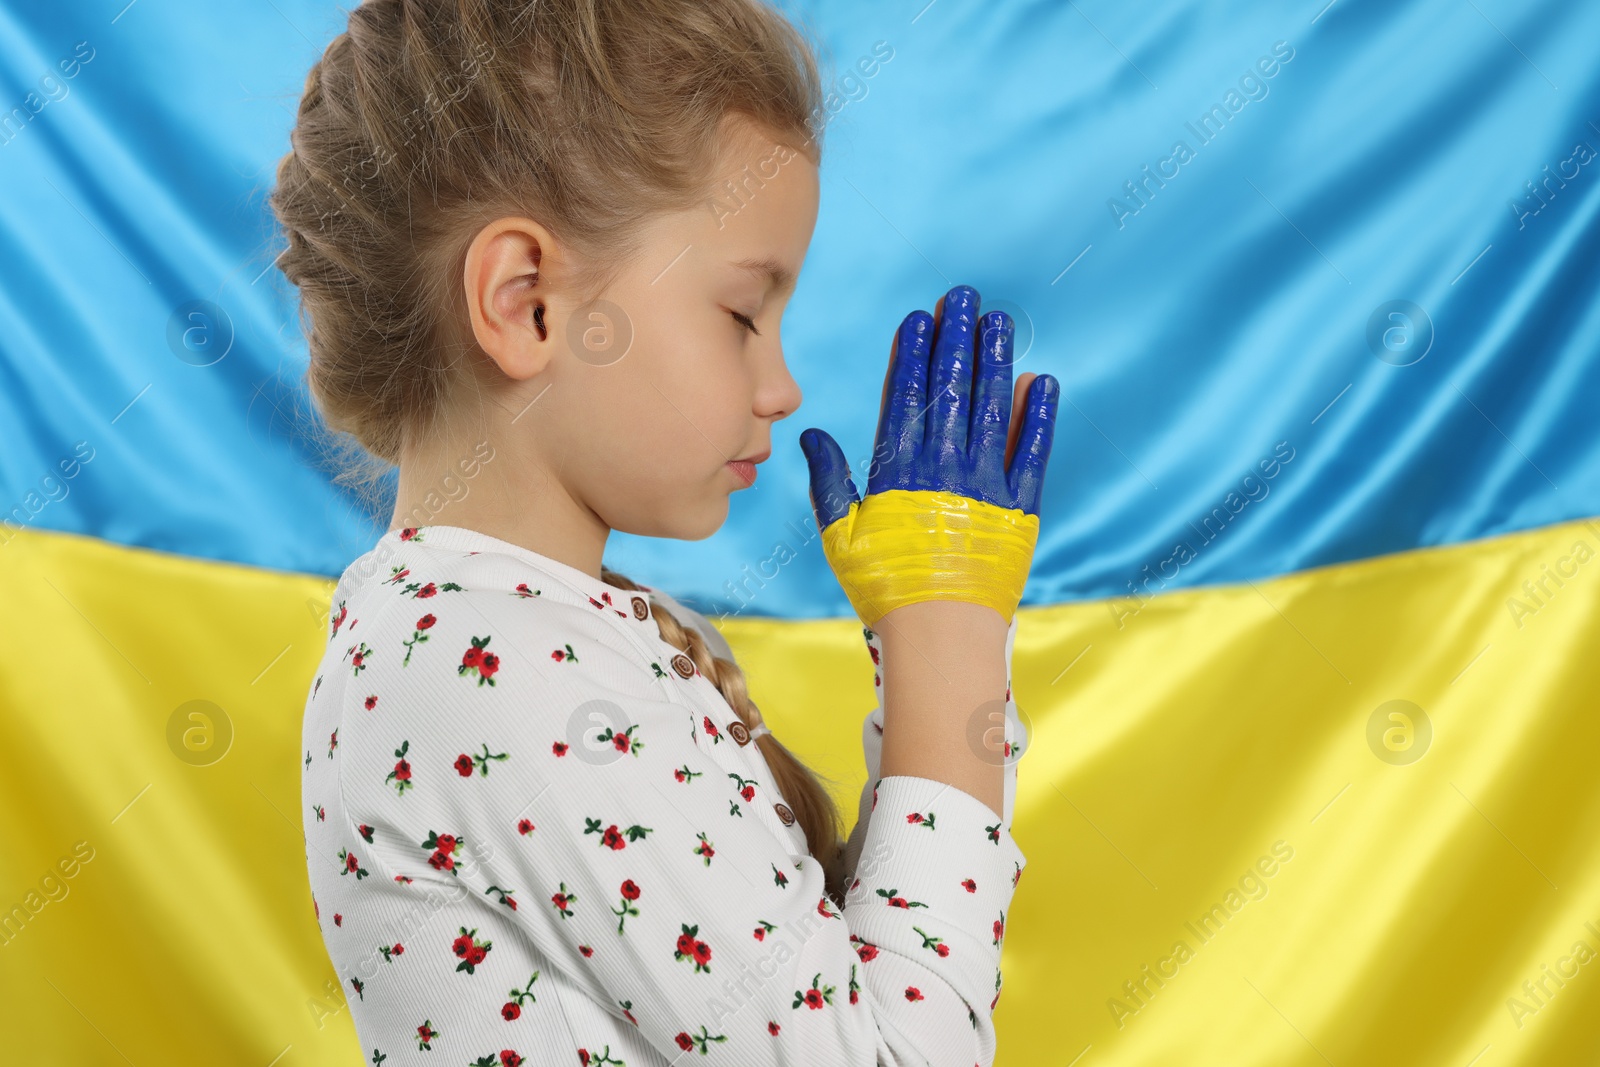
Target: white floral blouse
{"x":537,"y":834}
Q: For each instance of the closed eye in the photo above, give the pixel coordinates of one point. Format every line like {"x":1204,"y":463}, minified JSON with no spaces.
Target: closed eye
{"x":745,"y":321}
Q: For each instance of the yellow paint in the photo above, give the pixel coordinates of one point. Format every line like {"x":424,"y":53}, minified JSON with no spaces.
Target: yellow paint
{"x":906,"y":546}
{"x":1178,"y":745}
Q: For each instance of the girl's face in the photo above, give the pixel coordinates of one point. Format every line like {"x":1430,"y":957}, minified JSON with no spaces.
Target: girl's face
{"x":678,"y":368}
{"x":623,"y":412}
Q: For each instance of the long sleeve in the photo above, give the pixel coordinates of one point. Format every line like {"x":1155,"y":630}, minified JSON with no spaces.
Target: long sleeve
{"x":543,"y":762}
{"x":1016,"y":737}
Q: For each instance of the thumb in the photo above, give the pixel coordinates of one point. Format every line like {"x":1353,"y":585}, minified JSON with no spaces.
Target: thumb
{"x":832,"y":491}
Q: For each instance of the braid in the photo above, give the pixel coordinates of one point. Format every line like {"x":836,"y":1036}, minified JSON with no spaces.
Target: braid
{"x":813,"y":805}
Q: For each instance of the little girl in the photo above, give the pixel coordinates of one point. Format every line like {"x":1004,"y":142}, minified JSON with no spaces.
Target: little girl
{"x":543,"y":251}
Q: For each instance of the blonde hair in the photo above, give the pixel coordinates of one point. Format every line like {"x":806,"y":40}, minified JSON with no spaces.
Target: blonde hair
{"x":427,"y":119}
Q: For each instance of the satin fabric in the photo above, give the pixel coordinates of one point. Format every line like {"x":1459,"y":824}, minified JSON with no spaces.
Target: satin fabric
{"x":1174,"y":749}
{"x":1420,"y":152}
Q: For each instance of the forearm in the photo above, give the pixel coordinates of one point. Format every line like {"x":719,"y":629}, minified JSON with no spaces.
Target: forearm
{"x":944,"y":684}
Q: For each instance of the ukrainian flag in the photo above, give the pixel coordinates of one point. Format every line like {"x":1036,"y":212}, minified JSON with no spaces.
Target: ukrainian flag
{"x":1307,"y":654}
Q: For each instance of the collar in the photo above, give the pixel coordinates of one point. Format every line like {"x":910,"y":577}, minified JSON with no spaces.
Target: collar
{"x":628,"y":605}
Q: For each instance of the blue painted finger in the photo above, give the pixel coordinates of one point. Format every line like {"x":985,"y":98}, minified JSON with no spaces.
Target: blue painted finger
{"x":1026,"y":476}
{"x":991,"y":400}
{"x":832,"y":490}
{"x":950,"y":380}
{"x":900,"y":424}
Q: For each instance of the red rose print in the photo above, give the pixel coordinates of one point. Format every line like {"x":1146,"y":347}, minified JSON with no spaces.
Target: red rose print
{"x":426,"y":622}
{"x":371,"y":702}
{"x":480,"y":660}
{"x":935,"y":943}
{"x":444,"y":847}
{"x":466,"y":764}
{"x":815,"y":997}
{"x":401,"y":775}
{"x":630,"y":890}
{"x":513,"y":1007}
{"x":470,"y":950}
{"x":562,"y":899}
{"x":690,"y":947}
{"x":773,"y":1028}
{"x":865,"y":949}
{"x":913,"y":993}
{"x":704,"y":849}
{"x":894,"y":900}
{"x":524,"y":826}
{"x":613,"y":838}
{"x":351,"y":864}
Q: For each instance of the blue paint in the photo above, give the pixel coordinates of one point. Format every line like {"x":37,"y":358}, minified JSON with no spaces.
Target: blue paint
{"x":945,"y":419}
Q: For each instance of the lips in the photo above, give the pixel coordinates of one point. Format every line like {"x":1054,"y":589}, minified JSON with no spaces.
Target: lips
{"x":744,"y":470}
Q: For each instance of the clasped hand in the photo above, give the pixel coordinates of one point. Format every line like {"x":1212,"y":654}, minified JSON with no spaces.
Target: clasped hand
{"x":952,"y":504}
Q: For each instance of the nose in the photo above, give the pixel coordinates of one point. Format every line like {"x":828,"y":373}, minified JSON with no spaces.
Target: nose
{"x":778,"y":395}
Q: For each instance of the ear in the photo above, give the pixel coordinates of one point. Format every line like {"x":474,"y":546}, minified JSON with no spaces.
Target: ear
{"x":507,"y":283}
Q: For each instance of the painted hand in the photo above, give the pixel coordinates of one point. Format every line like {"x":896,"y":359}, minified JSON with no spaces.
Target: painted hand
{"x":952,"y":504}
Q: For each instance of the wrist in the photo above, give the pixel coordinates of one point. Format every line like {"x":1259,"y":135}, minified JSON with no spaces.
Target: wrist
{"x":941,"y":623}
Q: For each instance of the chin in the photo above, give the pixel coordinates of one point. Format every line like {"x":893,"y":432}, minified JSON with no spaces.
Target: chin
{"x":681,"y":524}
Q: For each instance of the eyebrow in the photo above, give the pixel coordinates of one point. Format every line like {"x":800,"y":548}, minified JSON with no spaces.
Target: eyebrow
{"x":781,"y":278}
